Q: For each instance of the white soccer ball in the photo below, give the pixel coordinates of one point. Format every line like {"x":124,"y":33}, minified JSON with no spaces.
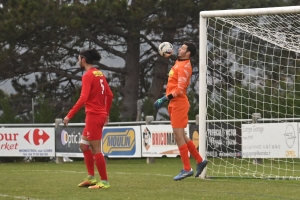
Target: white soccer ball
{"x":165,"y":49}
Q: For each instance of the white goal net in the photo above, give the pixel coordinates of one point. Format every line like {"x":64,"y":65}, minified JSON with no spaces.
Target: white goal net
{"x":249,"y":99}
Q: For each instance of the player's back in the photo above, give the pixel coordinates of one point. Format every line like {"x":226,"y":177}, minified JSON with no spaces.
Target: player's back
{"x":96,"y":98}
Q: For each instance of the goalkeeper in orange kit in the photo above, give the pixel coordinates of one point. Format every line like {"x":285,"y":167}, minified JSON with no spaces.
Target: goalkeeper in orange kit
{"x":178,"y":81}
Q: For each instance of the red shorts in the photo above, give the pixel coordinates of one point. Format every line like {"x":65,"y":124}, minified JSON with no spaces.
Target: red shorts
{"x":178,"y":112}
{"x":93,"y":126}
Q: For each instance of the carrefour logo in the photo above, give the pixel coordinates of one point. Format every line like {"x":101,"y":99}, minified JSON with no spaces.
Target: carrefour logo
{"x":119,"y":141}
{"x":70,"y":138}
{"x":36,"y":137}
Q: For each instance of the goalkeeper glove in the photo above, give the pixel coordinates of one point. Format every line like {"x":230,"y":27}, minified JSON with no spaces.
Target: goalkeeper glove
{"x":159,"y":102}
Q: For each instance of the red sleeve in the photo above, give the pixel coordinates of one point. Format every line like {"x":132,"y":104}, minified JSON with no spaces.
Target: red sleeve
{"x":85,"y":91}
{"x":109,"y":98}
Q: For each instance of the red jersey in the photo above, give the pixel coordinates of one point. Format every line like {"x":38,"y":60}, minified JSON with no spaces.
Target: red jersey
{"x":179,"y":79}
{"x":95,"y":94}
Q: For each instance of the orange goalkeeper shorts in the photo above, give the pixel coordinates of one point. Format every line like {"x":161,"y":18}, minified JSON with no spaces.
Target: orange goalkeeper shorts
{"x":178,"y":111}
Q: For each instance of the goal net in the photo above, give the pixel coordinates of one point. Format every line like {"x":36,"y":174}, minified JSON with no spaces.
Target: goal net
{"x":249,"y":92}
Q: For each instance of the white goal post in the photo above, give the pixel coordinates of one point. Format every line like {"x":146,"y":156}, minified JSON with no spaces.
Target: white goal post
{"x":249,"y":72}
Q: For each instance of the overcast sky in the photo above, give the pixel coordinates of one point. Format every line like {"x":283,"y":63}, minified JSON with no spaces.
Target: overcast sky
{"x":116,"y":62}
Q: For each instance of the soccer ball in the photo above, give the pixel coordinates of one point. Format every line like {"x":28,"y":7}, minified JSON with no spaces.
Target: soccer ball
{"x":165,"y":49}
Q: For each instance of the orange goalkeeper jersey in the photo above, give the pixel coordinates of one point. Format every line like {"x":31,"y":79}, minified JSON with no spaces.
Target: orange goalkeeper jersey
{"x":179,"y":79}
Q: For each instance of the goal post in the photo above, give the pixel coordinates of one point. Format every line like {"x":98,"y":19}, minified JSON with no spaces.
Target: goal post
{"x":249,"y":63}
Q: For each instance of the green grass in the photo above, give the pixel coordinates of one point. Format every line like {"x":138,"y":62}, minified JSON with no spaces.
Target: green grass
{"x":132,"y":179}
{"x":268,"y":168}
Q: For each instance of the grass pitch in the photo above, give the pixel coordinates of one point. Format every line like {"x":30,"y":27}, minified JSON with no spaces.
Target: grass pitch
{"x":132,"y":179}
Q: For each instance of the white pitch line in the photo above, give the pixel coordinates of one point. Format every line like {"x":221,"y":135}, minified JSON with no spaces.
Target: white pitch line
{"x":146,"y":174}
{"x":126,"y":173}
{"x":52,"y":171}
{"x":67,"y":171}
{"x":16,"y":197}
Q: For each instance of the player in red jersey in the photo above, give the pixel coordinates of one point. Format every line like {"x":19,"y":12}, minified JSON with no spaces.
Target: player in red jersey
{"x":178,"y":81}
{"x":97,"y":97}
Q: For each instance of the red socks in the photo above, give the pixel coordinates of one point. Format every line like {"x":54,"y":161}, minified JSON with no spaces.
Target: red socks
{"x":89,"y":161}
{"x":184,"y":154}
{"x":194,"y":152}
{"x":99,"y":161}
{"x":101,"y":165}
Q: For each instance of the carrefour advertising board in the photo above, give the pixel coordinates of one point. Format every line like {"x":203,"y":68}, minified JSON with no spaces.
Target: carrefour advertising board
{"x":158,"y":141}
{"x":117,"y":141}
{"x":23,"y":142}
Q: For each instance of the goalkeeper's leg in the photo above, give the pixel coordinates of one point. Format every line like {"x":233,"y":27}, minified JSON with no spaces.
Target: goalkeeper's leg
{"x":201,"y":164}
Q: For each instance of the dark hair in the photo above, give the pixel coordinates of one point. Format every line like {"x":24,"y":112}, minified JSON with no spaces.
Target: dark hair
{"x":90,"y":55}
{"x":191,"y":47}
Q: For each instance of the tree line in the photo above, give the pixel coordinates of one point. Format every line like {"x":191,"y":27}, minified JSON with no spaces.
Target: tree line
{"x":40,"y":41}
